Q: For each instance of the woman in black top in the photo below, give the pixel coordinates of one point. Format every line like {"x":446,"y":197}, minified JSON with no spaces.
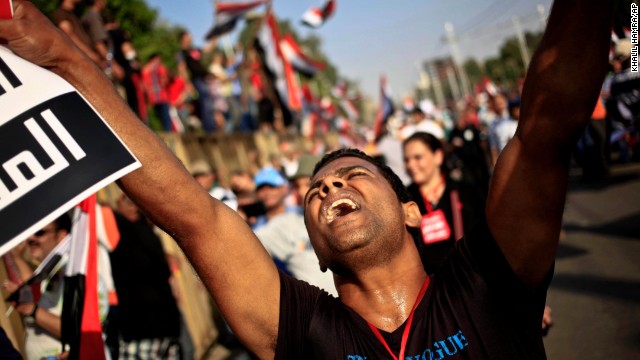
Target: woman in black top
{"x":449,"y":209}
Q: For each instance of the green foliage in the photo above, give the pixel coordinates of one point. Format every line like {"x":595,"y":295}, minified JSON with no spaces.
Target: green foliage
{"x":508,"y":66}
{"x":148,"y":33}
{"x":163,"y":39}
{"x":46,"y":6}
{"x":474,"y":71}
{"x":135,"y":16}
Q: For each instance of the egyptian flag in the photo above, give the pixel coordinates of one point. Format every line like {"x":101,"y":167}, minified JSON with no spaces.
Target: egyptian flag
{"x":315,"y":17}
{"x":299,"y":61}
{"x":346,"y":103}
{"x":277,"y":68}
{"x":385,"y":108}
{"x":488,"y":86}
{"x":81,"y":328}
{"x":227,"y":16}
{"x":311,"y":110}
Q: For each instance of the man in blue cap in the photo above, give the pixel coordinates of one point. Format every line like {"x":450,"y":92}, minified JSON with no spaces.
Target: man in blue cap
{"x":272,"y":190}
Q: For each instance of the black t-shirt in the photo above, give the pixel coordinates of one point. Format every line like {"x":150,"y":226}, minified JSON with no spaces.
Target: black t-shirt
{"x":146,"y":308}
{"x":475,"y":308}
{"x":472,"y":202}
{"x":192,"y":58}
{"x":469,"y":157}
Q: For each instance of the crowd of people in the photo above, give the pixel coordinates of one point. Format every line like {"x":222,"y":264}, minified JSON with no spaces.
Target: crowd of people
{"x":223,"y":89}
{"x":203,"y":93}
{"x":429,"y":212}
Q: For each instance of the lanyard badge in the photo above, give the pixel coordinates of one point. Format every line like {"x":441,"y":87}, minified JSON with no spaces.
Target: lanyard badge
{"x":434,"y":227}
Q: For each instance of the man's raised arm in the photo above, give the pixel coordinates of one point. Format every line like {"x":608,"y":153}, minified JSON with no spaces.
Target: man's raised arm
{"x":230,"y":260}
{"x":527,"y":194}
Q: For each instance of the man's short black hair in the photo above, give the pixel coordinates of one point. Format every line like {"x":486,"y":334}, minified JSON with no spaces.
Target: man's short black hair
{"x":63,"y":222}
{"x":391,"y":177}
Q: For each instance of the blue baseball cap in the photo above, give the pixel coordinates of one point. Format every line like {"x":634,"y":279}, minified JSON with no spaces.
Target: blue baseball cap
{"x":269,"y":176}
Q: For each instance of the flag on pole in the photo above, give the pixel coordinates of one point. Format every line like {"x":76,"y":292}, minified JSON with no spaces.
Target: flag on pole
{"x":278,"y":69}
{"x":227,"y":16}
{"x":315,"y":17}
{"x":299,"y":61}
{"x":385,"y":108}
{"x":340,"y":92}
{"x":81,"y":328}
{"x":311,"y":110}
{"x":488,"y":86}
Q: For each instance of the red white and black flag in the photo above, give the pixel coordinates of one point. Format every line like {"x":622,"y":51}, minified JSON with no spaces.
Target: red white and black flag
{"x":277,"y":68}
{"x":81,"y":328}
{"x":385,"y":107}
{"x":298,"y":59}
{"x":340,"y":92}
{"x":227,"y":16}
{"x":315,"y":17}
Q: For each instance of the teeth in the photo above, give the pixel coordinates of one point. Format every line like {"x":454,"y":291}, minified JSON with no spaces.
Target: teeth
{"x":333,"y":209}
{"x":343,"y":201}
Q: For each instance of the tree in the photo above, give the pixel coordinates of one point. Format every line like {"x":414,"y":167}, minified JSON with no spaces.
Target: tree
{"x":46,"y":6}
{"x":474,"y":70}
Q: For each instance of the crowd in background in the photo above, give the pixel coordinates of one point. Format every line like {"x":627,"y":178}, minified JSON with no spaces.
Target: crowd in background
{"x":223,"y":89}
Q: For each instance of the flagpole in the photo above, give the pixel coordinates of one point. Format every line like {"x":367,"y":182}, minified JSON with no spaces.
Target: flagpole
{"x":270,"y":91}
{"x":228,"y":46}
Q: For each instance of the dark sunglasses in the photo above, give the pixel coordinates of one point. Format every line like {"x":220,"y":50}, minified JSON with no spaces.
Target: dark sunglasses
{"x":43,"y":231}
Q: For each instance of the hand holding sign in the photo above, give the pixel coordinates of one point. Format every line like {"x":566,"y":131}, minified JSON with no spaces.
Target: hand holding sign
{"x":6,"y":10}
{"x":49,"y":135}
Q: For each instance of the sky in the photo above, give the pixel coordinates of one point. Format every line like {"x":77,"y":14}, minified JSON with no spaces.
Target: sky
{"x":367,"y":38}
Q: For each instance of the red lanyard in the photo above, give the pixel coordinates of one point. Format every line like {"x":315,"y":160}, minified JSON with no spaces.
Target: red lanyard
{"x":427,"y":203}
{"x":407,"y":329}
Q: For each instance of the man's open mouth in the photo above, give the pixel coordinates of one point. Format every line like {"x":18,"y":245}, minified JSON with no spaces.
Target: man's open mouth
{"x":341,"y":208}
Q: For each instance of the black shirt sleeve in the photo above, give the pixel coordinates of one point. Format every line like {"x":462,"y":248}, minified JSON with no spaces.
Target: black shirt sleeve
{"x":299,"y":301}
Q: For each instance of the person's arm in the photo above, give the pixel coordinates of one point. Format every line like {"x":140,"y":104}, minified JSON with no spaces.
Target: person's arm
{"x":42,"y":317}
{"x":184,"y":74}
{"x":228,"y":257}
{"x":528,"y":190}
{"x":26,"y":271}
{"x":68,"y":29}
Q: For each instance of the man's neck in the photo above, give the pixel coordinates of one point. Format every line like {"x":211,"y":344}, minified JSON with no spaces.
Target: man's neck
{"x":385,"y":295}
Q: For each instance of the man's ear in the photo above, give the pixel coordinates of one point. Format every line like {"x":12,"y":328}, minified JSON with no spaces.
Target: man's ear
{"x":412,"y":216}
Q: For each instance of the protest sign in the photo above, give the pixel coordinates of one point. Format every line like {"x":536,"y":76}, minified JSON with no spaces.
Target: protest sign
{"x":55,"y":149}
